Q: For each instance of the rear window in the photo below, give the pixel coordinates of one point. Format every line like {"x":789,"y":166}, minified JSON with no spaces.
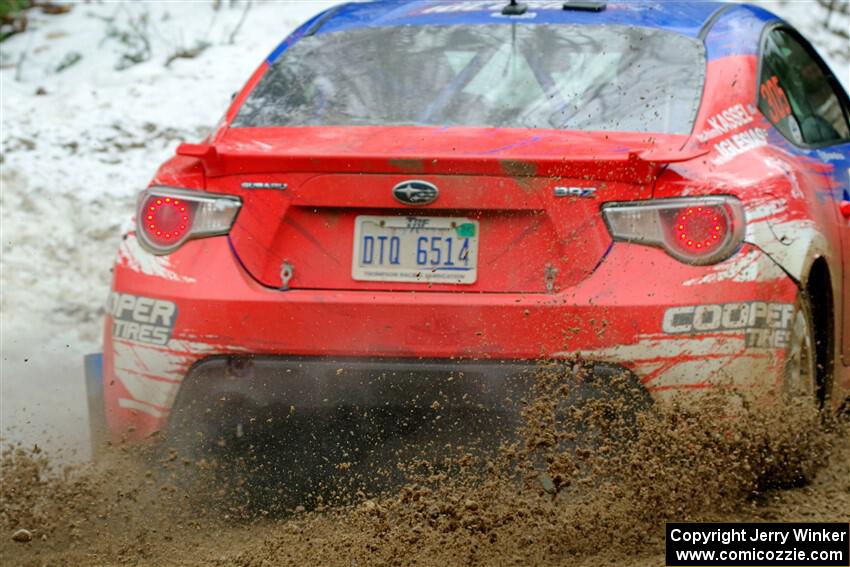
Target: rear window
{"x":617,"y":78}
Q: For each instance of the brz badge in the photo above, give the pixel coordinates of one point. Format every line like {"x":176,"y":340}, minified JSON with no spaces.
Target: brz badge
{"x":575,"y":192}
{"x":415,"y":192}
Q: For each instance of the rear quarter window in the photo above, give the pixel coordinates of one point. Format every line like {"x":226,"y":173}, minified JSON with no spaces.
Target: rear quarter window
{"x":798,"y":94}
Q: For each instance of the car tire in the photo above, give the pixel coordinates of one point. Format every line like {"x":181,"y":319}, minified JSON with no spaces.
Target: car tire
{"x":793,"y":463}
{"x":800,"y":380}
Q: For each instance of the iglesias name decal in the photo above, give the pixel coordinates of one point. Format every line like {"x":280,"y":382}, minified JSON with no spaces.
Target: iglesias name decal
{"x":141,"y":319}
{"x":766,"y":325}
{"x":738,"y":144}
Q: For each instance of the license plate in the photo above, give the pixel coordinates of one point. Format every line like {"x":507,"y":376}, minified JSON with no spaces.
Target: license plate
{"x":415,"y":249}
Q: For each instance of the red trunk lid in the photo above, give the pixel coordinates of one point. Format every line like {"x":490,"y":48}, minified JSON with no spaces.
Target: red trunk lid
{"x":531,"y":199}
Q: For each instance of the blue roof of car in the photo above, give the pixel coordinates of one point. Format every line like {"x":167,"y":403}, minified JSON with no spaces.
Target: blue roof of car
{"x":686,"y":18}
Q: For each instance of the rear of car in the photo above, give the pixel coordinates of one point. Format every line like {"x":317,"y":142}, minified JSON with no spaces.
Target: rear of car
{"x":397,"y":213}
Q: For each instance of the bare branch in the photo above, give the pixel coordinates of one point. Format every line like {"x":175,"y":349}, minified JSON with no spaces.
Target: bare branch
{"x":241,"y":21}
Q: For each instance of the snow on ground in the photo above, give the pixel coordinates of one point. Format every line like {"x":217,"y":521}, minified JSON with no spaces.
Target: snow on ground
{"x":73,"y":160}
{"x":83,"y":130}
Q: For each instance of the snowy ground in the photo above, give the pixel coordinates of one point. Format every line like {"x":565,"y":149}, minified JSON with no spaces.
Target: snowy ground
{"x":73,"y":160}
{"x":80,"y":138}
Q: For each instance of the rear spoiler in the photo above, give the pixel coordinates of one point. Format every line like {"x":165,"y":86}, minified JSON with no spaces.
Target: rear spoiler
{"x":635,"y":167}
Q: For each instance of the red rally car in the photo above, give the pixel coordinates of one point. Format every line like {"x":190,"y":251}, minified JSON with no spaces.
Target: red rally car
{"x":429,"y":197}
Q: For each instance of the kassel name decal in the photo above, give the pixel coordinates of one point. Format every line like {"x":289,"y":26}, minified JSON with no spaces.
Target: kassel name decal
{"x":726,"y":121}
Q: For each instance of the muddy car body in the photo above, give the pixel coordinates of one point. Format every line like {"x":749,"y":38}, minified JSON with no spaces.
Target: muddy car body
{"x":369,"y":218}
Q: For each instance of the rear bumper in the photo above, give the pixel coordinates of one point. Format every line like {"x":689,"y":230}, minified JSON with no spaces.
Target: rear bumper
{"x":248,"y":392}
{"x":320,"y":384}
{"x":93,"y":368}
{"x":675,"y":327}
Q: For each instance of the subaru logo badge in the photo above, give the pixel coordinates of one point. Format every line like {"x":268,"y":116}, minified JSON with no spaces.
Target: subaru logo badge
{"x":415,"y":192}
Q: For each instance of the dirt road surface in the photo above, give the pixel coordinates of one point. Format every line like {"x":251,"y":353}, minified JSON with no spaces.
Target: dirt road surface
{"x":542,"y":499}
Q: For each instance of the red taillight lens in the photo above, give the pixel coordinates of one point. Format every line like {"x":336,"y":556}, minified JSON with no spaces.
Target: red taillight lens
{"x":699,"y":229}
{"x":696,"y":230}
{"x":167,"y":217}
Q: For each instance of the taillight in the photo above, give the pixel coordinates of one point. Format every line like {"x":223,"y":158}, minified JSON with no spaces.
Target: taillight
{"x":694,"y":230}
{"x":168,"y":217}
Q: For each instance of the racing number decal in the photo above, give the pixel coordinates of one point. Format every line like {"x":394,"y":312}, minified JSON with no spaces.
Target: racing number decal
{"x":777,"y":102}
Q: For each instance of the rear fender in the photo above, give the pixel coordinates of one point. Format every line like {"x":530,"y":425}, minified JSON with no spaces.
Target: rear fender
{"x":793,"y":245}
